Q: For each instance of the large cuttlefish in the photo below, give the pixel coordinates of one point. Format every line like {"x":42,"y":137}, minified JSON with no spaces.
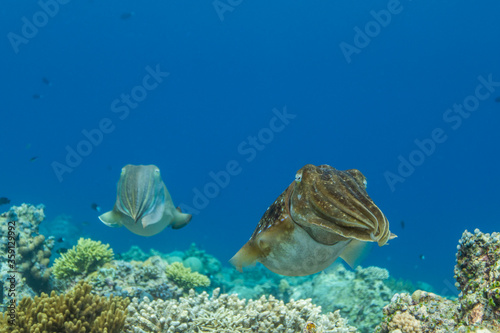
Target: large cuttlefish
{"x":325,"y":213}
{"x":143,"y":204}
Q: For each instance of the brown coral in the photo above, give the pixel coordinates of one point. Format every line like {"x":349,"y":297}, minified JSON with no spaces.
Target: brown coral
{"x":78,"y":311}
{"x":405,"y":322}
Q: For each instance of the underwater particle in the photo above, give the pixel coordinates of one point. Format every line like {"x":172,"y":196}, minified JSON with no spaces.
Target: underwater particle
{"x":34,"y":158}
{"x":422,"y":257}
{"x":46,"y":81}
{"x":4,"y":201}
{"x":127,"y":15}
{"x":497,"y":99}
{"x":95,"y":207}
{"x":143,"y":204}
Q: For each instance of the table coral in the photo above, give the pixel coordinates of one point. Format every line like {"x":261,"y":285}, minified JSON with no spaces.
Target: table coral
{"x":83,"y":258}
{"x":228,"y":313}
{"x":184,"y":278}
{"x":75,"y":312}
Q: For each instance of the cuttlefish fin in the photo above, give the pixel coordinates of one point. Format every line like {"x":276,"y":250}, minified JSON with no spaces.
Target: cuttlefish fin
{"x":246,"y":256}
{"x":112,"y":218}
{"x":180,"y":219}
{"x":355,"y":252}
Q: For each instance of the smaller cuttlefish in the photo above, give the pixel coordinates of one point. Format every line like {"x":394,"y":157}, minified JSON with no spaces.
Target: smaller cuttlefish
{"x":143,"y":203}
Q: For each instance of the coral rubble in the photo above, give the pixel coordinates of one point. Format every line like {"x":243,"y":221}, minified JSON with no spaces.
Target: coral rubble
{"x":74,"y":312}
{"x":228,"y":313}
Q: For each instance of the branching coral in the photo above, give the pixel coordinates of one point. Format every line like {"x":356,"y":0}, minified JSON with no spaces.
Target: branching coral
{"x":228,"y":313}
{"x":184,"y":278}
{"x":76,"y":312}
{"x":87,"y":256}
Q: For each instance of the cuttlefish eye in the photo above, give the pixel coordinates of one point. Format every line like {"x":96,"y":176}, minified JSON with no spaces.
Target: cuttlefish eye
{"x":157,"y":171}
{"x":298,"y":177}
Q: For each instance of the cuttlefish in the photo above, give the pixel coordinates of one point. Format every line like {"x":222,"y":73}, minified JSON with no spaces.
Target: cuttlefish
{"x":323,"y":214}
{"x":143,"y":204}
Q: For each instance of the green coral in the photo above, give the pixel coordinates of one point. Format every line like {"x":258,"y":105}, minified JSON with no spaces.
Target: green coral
{"x":184,"y":278}
{"x":87,"y":256}
{"x":74,"y":312}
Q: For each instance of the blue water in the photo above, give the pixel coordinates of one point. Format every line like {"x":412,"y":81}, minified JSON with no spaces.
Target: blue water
{"x":229,"y":68}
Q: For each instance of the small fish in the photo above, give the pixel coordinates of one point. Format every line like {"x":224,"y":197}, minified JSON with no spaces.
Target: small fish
{"x":37,"y":96}
{"x":60,"y":240}
{"x":61,"y":250}
{"x":34,"y":158}
{"x":95,"y":207}
{"x":4,"y":201}
{"x":85,"y":223}
{"x":46,"y":81}
{"x":127,"y":15}
{"x":422,"y":257}
{"x":402,"y":224}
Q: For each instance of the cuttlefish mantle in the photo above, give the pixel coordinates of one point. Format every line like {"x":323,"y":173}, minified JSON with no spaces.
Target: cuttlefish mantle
{"x":143,"y":204}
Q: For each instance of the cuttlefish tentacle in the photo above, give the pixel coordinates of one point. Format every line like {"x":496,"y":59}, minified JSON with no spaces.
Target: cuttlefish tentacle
{"x":327,"y":198}
{"x":325,"y":213}
{"x":143,"y":203}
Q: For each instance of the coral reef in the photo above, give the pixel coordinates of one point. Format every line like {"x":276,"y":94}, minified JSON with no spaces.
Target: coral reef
{"x":83,"y":258}
{"x":30,"y":251}
{"x":477,"y":308}
{"x":134,"y":279}
{"x":78,"y":311}
{"x":478,"y":277}
{"x":228,"y":313}
{"x":184,"y":278}
{"x":360,"y":295}
{"x":194,"y":258}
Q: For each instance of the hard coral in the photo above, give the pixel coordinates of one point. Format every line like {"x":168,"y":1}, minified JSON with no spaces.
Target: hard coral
{"x":87,"y":256}
{"x":134,"y":279}
{"x":31,"y":250}
{"x":78,"y":311}
{"x":405,"y":322}
{"x":478,"y":276}
{"x":184,"y":278}
{"x":228,"y":313}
